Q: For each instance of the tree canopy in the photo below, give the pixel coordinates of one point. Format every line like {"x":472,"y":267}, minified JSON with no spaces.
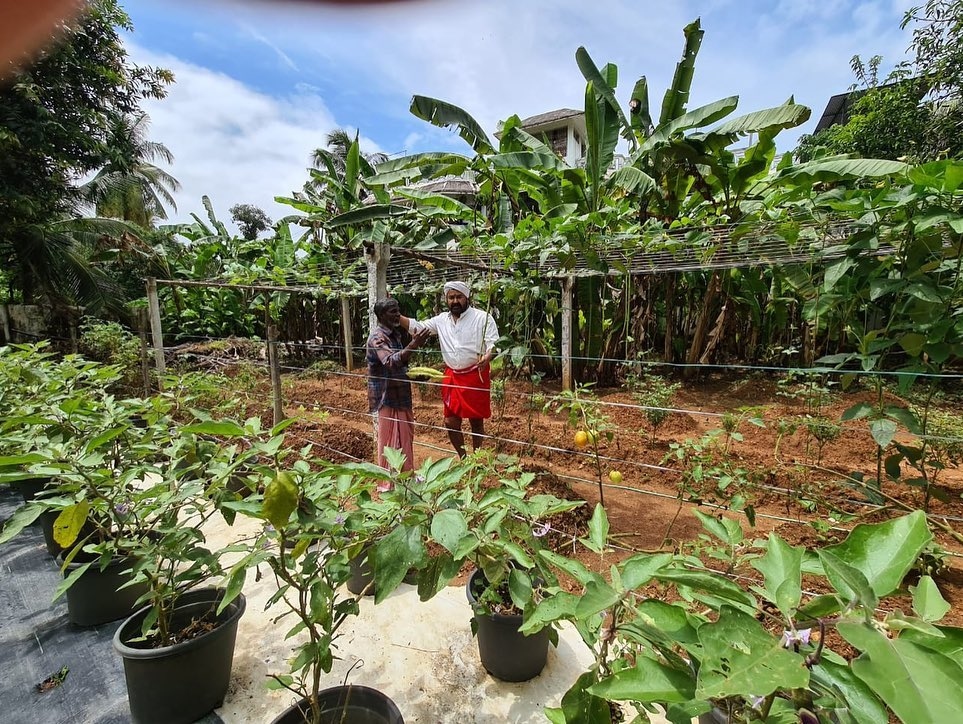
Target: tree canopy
{"x":885,"y":119}
{"x":917,"y":112}
{"x":250,"y":219}
{"x":58,"y":119}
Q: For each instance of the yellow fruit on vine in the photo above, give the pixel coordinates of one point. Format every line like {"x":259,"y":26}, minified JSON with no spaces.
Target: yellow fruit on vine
{"x":593,"y":437}
{"x":581,"y":438}
{"x":615,"y":476}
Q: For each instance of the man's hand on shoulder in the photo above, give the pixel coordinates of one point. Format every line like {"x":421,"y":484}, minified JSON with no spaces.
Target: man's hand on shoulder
{"x":419,"y":338}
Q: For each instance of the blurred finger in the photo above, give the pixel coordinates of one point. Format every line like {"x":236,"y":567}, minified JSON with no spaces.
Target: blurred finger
{"x":27,"y":25}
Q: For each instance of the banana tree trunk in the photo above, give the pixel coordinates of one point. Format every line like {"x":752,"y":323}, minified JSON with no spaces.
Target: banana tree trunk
{"x":669,"y":317}
{"x":716,"y":335}
{"x":702,"y":326}
{"x":588,"y":301}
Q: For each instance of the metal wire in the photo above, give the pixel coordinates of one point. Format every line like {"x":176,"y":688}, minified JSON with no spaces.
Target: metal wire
{"x":607,"y":403}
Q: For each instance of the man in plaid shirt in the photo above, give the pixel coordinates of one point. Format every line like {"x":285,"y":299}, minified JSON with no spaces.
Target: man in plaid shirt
{"x":389,"y":390}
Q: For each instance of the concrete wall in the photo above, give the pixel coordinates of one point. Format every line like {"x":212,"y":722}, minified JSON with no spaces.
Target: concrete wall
{"x":31,"y":322}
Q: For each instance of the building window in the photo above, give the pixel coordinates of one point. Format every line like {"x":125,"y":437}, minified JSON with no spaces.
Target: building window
{"x":558,"y":140}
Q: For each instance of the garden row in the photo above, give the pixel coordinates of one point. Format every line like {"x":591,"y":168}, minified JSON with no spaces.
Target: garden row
{"x":129,"y":484}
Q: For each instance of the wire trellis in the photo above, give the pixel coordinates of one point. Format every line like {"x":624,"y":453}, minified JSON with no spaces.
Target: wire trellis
{"x":671,"y":251}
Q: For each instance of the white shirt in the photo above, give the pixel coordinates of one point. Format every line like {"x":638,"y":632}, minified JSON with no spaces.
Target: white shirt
{"x":463,"y":339}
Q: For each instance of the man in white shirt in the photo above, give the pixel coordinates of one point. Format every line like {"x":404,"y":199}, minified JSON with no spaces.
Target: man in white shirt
{"x":467,"y":337}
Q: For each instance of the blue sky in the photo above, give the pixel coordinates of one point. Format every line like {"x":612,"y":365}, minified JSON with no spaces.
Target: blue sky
{"x":260,"y":82}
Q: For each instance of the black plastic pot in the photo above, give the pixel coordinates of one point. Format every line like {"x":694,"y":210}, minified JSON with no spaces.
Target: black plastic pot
{"x":345,"y":705}
{"x":181,"y":683}
{"x":505,"y":653}
{"x":47,"y":520}
{"x":715,"y":716}
{"x":97,"y":597}
{"x":30,"y":489}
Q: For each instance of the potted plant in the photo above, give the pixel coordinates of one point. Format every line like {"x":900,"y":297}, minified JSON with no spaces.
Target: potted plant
{"x":85,"y":450}
{"x":134,"y":488}
{"x":178,"y":649}
{"x":103,"y":458}
{"x":45,"y":403}
{"x":735,"y":650}
{"x":492,"y":522}
{"x":312,"y":521}
{"x":389,"y":523}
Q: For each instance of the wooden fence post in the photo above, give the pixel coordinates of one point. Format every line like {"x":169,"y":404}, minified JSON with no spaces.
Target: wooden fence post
{"x":272,"y":350}
{"x":5,"y":321}
{"x":346,"y":333}
{"x":568,"y":286}
{"x":157,"y":334}
{"x":144,"y":350}
{"x":377,"y":256}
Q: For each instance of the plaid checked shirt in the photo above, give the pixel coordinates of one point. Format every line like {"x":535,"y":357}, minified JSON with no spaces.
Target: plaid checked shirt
{"x":388,"y":384}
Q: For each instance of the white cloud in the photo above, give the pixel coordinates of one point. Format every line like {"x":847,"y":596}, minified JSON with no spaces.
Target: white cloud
{"x":412,"y":140}
{"x":498,"y":58}
{"x":491,"y":57}
{"x":230,"y":142}
{"x":285,"y":59}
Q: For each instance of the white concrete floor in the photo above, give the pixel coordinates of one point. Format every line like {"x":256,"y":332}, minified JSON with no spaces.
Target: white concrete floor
{"x":422,"y":655}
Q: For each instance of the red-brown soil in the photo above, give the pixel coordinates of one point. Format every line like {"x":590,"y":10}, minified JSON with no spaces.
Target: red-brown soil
{"x":797,"y":492}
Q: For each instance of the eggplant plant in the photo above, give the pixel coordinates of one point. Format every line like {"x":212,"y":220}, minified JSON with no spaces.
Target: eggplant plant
{"x":317,"y":517}
{"x":757,"y":648}
{"x":127,"y":482}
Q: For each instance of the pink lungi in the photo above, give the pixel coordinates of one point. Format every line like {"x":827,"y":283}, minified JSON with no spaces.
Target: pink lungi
{"x":396,"y":428}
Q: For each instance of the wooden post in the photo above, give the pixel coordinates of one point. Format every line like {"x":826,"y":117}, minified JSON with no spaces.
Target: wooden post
{"x":72,"y":329}
{"x":272,"y":350}
{"x":157,"y":334}
{"x":377,"y":256}
{"x":346,"y":333}
{"x":5,"y":321}
{"x":144,"y":347}
{"x":568,"y":286}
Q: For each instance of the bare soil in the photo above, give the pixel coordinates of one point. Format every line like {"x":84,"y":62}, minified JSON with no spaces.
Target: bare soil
{"x":794,"y":487}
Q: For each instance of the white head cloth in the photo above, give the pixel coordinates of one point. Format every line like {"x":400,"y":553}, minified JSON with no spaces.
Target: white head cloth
{"x":458,"y":287}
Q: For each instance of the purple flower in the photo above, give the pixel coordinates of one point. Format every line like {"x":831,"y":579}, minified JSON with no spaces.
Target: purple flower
{"x":339,"y":518}
{"x":122,"y":509}
{"x":792,"y":639}
{"x":540,"y":530}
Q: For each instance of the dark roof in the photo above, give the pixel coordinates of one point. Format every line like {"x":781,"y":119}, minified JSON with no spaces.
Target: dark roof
{"x":543,"y":118}
{"x":839,"y":105}
{"x":837,"y":110}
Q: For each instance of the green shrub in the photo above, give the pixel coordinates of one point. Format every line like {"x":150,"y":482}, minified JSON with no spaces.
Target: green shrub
{"x":111,"y":343}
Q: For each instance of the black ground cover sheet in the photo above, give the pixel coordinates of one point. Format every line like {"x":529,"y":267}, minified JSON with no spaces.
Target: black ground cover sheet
{"x":38,"y":644}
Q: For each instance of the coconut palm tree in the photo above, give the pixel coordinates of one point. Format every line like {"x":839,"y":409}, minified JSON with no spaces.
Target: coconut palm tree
{"x":68,"y":258}
{"x":337,"y":145}
{"x":130,"y":187}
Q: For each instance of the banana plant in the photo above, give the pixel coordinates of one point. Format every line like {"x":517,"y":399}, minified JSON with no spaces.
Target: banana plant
{"x":336,"y":193}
